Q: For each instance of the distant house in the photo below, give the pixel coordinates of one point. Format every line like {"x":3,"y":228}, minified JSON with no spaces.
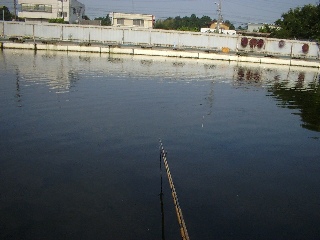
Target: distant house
{"x":255,"y":27}
{"x":132,"y":20}
{"x":222,"y":25}
{"x":43,"y":10}
{"x":212,"y":30}
{"x":223,"y":28}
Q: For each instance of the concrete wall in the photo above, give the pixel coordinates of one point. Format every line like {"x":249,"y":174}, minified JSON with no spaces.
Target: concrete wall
{"x":2,"y":28}
{"x":161,"y":38}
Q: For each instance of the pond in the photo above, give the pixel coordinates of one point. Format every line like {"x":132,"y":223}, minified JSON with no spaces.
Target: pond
{"x":79,"y":147}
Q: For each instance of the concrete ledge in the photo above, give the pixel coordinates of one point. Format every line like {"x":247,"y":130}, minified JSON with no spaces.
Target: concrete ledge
{"x":221,"y":57}
{"x":207,"y":55}
{"x":18,"y":45}
{"x":52,"y":47}
{"x":275,"y":61}
{"x":216,"y":56}
{"x":83,"y":49}
{"x":303,"y":63}
{"x":186,"y":54}
{"x":105,"y":50}
{"x":41,"y":46}
{"x":122,"y":51}
{"x":179,"y":54}
{"x":249,"y":59}
{"x":162,"y":52}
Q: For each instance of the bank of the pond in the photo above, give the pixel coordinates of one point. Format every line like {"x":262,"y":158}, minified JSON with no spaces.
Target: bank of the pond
{"x":156,"y":51}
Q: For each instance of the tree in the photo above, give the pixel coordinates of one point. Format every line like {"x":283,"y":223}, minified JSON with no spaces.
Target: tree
{"x":7,"y":15}
{"x":105,"y":21}
{"x":205,"y":21}
{"x":265,"y":29}
{"x":192,"y":23}
{"x":231,"y":26}
{"x":301,"y":23}
{"x":85,"y":17}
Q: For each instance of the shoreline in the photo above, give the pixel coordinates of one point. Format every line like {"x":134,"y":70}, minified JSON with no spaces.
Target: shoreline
{"x":158,"y":51}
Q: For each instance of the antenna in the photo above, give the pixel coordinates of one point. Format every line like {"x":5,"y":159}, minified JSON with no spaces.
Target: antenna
{"x":220,"y":19}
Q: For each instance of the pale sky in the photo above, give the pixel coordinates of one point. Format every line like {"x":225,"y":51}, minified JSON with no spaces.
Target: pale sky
{"x":236,"y":11}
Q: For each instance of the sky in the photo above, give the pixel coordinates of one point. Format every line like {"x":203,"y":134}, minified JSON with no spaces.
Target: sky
{"x":238,"y":12}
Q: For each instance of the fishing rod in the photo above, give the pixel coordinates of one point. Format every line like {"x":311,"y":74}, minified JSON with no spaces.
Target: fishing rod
{"x":161,"y":200}
{"x":182,"y":224}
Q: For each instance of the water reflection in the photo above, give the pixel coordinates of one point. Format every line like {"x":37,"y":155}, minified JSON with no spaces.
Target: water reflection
{"x":301,"y":95}
{"x":293,"y":87}
{"x":248,"y":75}
{"x":18,"y":94}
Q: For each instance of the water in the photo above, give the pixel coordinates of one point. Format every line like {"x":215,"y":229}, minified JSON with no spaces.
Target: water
{"x":79,"y":150}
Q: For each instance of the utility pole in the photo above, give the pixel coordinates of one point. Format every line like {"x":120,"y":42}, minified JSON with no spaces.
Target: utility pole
{"x":219,"y":16}
{"x":78,"y":14}
{"x":62,"y":9}
{"x":15,"y":9}
{"x":2,"y":12}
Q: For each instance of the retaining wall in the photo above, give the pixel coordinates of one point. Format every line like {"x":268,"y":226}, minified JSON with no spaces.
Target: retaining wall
{"x":162,"y":38}
{"x":164,"y":52}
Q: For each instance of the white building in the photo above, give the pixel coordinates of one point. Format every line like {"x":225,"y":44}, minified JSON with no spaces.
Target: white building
{"x":132,"y":20}
{"x":211,"y":30}
{"x":43,"y":10}
{"x":255,"y":27}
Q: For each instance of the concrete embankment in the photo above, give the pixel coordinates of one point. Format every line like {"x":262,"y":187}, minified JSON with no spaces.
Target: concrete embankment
{"x":154,"y":51}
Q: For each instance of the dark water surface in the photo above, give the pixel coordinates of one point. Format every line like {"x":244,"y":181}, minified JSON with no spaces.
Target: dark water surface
{"x":79,"y":150}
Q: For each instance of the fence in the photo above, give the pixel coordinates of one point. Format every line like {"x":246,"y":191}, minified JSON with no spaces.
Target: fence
{"x":163,"y":38}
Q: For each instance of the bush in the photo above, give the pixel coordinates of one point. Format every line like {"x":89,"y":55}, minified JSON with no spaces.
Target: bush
{"x":56,"y":20}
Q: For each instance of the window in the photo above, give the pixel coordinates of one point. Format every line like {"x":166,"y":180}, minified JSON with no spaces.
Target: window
{"x":120,"y":21}
{"x":138,"y":22}
{"x":36,"y":8}
{"x":64,"y":13}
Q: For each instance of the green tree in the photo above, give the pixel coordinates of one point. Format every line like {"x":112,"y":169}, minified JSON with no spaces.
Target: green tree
{"x":85,"y":17}
{"x":205,"y":21}
{"x":192,"y":23}
{"x":105,"y":21}
{"x":7,"y":15}
{"x":301,"y":23}
{"x":231,"y":26}
{"x":265,"y":29}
